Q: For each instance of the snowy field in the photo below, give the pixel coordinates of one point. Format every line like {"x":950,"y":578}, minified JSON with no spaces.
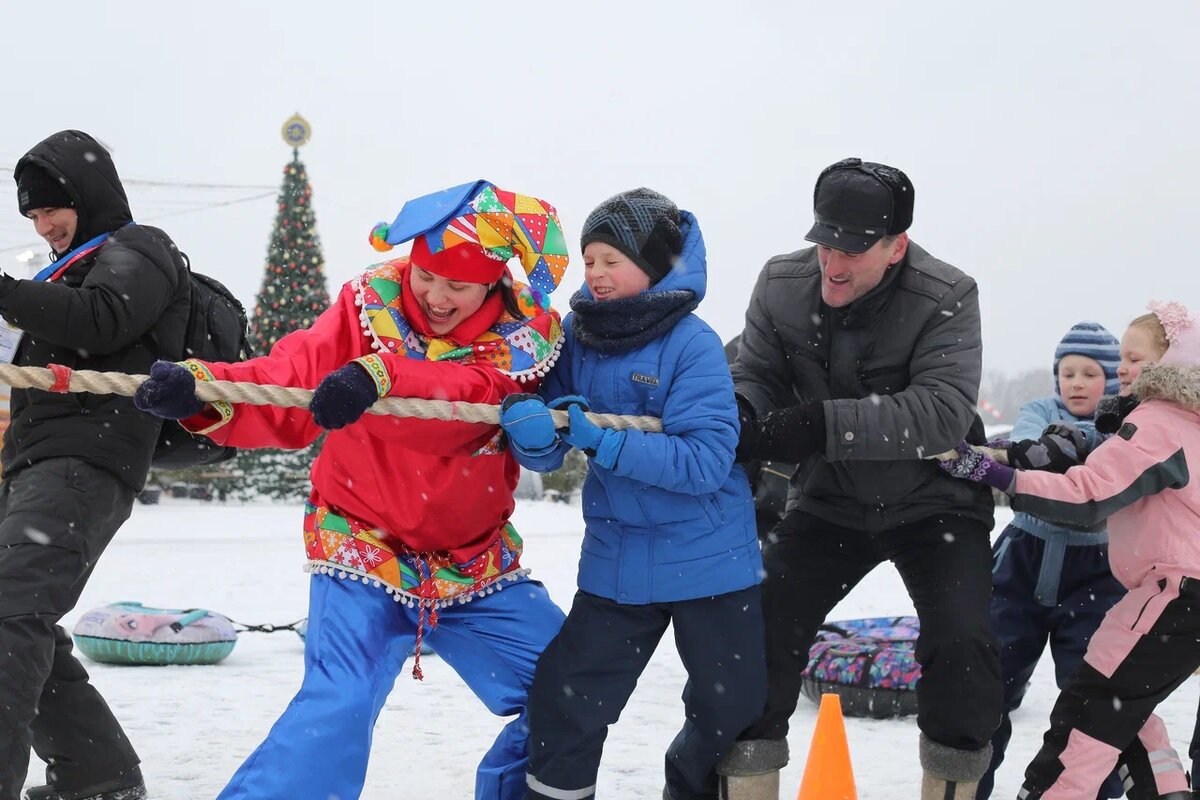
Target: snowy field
{"x":194,"y":725}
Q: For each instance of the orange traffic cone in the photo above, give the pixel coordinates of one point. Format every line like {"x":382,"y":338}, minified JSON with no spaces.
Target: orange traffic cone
{"x":828,"y":774}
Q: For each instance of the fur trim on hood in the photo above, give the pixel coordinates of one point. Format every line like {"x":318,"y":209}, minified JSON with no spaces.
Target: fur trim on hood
{"x":1175,"y":384}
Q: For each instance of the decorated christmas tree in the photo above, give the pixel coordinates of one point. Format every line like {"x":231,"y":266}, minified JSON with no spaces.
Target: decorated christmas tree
{"x":292,"y":296}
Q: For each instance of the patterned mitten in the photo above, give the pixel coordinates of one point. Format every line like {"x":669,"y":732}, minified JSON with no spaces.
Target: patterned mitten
{"x":975,"y":465}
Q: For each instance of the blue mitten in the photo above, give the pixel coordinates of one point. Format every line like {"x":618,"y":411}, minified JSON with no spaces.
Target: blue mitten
{"x":975,"y":465}
{"x":343,"y":396}
{"x":602,"y":444}
{"x":169,"y":392}
{"x":568,"y":400}
{"x":528,"y":423}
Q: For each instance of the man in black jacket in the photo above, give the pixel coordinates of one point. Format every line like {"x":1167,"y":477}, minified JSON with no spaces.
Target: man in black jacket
{"x":860,"y":360}
{"x":114,"y":298}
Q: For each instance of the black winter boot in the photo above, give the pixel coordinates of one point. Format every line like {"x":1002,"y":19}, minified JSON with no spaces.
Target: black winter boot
{"x":106,"y":791}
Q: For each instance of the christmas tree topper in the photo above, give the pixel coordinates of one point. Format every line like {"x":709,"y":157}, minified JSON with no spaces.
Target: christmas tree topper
{"x":296,"y":130}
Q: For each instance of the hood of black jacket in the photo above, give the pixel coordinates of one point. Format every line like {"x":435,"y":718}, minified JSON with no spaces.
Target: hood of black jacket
{"x":90,"y":178}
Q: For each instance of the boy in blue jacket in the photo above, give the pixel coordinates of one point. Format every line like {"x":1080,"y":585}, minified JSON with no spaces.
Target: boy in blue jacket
{"x":669,"y":521}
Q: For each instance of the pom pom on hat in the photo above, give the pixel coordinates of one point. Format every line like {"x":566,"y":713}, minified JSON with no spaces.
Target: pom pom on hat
{"x":378,"y":237}
{"x":1183,"y":333}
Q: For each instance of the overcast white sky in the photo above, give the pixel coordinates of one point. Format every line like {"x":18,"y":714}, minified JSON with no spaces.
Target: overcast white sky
{"x":1053,"y":145}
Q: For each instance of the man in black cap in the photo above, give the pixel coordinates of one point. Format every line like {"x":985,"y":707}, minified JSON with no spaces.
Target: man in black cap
{"x":115,"y":296}
{"x":860,"y":359}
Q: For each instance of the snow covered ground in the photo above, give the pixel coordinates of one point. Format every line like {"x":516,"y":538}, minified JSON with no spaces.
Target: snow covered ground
{"x":194,"y":725}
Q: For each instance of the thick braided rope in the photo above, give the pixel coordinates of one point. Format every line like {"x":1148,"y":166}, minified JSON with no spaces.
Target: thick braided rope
{"x":290,"y":397}
{"x":995,"y":453}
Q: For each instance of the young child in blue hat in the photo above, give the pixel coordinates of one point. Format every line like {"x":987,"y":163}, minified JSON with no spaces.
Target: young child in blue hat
{"x":1050,"y":583}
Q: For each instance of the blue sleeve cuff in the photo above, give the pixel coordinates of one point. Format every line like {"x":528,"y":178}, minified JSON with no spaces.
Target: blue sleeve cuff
{"x":610,"y":448}
{"x":545,"y":460}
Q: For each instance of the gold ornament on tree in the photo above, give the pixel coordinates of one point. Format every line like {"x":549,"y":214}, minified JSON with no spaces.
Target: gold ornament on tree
{"x":296,"y":131}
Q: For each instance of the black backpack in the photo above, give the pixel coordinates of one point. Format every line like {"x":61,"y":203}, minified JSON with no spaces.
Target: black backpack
{"x":217,"y":330}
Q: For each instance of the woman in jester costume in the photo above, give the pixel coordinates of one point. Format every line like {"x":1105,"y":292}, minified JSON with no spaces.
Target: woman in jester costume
{"x":407,"y":531}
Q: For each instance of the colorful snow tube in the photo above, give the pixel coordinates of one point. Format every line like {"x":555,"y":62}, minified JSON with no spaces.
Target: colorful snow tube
{"x":130,"y":633}
{"x":870,"y":664}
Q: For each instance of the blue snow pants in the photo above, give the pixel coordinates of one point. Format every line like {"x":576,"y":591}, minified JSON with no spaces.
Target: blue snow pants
{"x":1087,"y":590}
{"x":358,"y":639}
{"x":592,"y":667}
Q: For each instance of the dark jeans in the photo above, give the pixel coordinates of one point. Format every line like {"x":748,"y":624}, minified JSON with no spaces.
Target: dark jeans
{"x":586,"y":675}
{"x":1086,"y":591}
{"x":945,"y":562}
{"x":56,"y":518}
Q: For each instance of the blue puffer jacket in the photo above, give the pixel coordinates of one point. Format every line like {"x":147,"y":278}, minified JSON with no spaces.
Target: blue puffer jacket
{"x":673,"y":519}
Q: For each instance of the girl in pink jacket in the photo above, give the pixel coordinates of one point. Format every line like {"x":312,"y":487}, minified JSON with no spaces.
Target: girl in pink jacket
{"x":1141,"y":481}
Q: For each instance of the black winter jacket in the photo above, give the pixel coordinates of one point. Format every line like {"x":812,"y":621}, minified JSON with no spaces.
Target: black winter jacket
{"x":117,"y":309}
{"x":898,"y":371}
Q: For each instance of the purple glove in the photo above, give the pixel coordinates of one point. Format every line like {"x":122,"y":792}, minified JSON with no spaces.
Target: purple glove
{"x":169,"y":392}
{"x":972,"y":465}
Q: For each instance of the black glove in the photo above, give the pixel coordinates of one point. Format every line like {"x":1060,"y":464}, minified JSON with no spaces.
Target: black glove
{"x":169,"y":392}
{"x":1111,"y":412}
{"x":1060,"y":447}
{"x":343,"y":396}
{"x":748,"y":433}
{"x":792,"y":434}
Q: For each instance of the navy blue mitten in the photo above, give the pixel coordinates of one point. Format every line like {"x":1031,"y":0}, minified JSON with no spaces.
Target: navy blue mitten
{"x":343,"y":396}
{"x":169,"y":392}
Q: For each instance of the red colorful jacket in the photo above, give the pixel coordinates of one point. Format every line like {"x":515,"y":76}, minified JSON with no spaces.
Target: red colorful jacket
{"x":421,"y":506}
